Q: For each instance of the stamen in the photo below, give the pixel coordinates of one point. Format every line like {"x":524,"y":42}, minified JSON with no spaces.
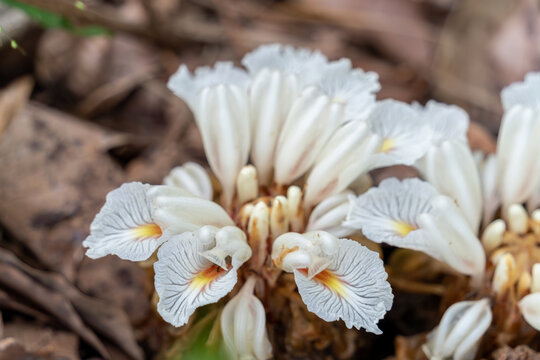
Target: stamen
{"x":247,"y":186}
{"x":518,"y":219}
{"x":524,"y":284}
{"x":535,"y":281}
{"x":258,"y":231}
{"x":296,"y":214}
{"x":279,"y":219}
{"x":504,"y":276}
{"x":493,"y":235}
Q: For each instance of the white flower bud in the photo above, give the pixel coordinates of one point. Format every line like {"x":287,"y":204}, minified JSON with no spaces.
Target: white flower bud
{"x":459,"y":333}
{"x":243,"y":326}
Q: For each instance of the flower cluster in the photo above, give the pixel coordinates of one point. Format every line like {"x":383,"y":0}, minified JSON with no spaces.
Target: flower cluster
{"x":290,"y":140}
{"x":442,"y":216}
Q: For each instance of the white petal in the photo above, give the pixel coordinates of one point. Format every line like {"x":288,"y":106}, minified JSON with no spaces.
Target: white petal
{"x":223,"y":119}
{"x":461,"y":329}
{"x":389,"y":213}
{"x":188,"y":87}
{"x":330,"y":214}
{"x":451,"y":168}
{"x":310,"y":123}
{"x":218,"y":99}
{"x":352,"y":87}
{"x":530,"y":309}
{"x":185,"y":280}
{"x":405,"y":137}
{"x":342,"y":160}
{"x":125,"y":226}
{"x":352,"y":288}
{"x":487,"y":167}
{"x":243,"y":326}
{"x":193,"y":178}
{"x":178,"y":213}
{"x":517,"y":155}
{"x":271,"y":96}
{"x":447,"y":122}
{"x":305,"y":64}
{"x":523,"y":93}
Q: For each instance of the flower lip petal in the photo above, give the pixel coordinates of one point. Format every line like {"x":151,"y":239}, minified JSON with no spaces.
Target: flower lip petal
{"x":185,"y":280}
{"x":445,"y":121}
{"x":353,"y":288}
{"x":125,"y":226}
{"x":406,"y":137}
{"x":389,"y":213}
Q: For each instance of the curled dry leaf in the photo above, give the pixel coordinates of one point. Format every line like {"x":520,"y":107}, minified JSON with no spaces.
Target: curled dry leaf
{"x":55,"y":296}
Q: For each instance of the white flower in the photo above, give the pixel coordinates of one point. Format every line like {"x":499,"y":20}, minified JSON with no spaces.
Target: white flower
{"x":404,"y":136}
{"x":459,"y":333}
{"x":243,"y":326}
{"x":312,"y":130}
{"x":125,"y":226}
{"x":186,"y":279}
{"x":412,"y":214}
{"x":332,"y":276}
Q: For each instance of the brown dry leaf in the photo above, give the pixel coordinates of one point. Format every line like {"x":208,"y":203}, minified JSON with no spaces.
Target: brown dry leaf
{"x":409,"y":347}
{"x":43,"y":341}
{"x":397,"y":28}
{"x":12,"y":98}
{"x":16,"y":282}
{"x":463,"y":71}
{"x":121,"y":283}
{"x":515,"y":47}
{"x":107,"y":320}
{"x":11,"y":349}
{"x":56,"y":175}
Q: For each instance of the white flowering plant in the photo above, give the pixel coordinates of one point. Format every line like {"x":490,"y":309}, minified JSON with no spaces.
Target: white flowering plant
{"x":290,"y":140}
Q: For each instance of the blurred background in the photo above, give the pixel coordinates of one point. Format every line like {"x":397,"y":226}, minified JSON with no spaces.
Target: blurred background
{"x":84,"y":108}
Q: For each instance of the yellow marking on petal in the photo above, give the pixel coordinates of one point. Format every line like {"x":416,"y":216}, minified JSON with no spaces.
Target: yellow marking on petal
{"x":205,"y":277}
{"x":388,"y":145}
{"x":402,"y":228}
{"x":329,"y":280}
{"x":338,"y":100}
{"x":147,"y":231}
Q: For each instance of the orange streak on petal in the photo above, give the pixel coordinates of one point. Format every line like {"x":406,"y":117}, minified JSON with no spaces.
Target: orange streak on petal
{"x":206,"y":276}
{"x":329,"y":280}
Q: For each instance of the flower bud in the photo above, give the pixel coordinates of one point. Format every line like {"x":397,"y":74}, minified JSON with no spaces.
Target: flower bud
{"x":243,"y":326}
{"x":460,"y":331}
